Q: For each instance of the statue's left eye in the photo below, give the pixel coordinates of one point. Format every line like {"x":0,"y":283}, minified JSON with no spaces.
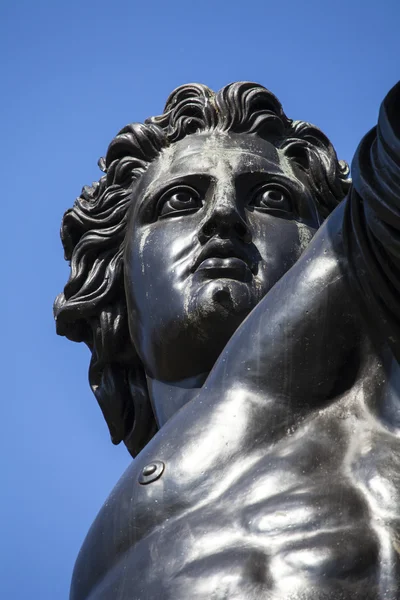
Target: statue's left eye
{"x":271,"y":198}
{"x":179,"y":201}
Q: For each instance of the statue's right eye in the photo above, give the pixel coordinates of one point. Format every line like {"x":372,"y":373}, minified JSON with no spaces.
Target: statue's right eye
{"x":178,"y":201}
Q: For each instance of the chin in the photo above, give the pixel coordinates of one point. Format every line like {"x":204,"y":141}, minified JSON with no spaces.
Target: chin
{"x":223,"y":298}
{"x":200,"y":326}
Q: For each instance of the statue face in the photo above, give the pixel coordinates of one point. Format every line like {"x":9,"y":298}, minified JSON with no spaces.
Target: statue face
{"x":218,"y":219}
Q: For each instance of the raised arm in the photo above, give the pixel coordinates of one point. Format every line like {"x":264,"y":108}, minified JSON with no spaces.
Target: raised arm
{"x":372,"y":223}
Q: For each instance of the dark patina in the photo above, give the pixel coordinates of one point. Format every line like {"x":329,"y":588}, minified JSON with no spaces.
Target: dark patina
{"x":240,"y":297}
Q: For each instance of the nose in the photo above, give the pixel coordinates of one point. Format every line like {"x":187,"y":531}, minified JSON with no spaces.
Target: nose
{"x":225,"y":221}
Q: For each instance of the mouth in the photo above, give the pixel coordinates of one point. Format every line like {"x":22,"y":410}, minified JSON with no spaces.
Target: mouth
{"x":230,"y":268}
{"x":224,"y":259}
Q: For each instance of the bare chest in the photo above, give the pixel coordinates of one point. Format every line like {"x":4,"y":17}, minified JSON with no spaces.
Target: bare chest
{"x":313,"y":515}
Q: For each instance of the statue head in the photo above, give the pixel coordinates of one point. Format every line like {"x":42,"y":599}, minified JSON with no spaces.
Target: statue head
{"x":199,"y":213}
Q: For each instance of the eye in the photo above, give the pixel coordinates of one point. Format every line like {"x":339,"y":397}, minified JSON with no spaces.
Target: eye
{"x":177,"y":201}
{"x":272,"y":198}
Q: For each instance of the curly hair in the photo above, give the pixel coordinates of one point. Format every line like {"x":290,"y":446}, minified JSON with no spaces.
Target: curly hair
{"x":92,"y":308}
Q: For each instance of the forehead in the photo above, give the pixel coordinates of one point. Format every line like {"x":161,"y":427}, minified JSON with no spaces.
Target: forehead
{"x":215,"y":154}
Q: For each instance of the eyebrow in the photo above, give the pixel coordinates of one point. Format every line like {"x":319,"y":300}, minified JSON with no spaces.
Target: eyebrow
{"x":155,"y":190}
{"x":192,"y":170}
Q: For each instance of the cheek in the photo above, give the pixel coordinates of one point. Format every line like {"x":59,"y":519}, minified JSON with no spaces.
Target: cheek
{"x":158,"y":259}
{"x":305,"y":235}
{"x":147,"y":254}
{"x":141,"y":264}
{"x":280,"y":242}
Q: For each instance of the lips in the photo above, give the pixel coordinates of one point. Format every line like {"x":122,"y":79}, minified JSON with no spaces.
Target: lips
{"x":231,"y":268}
{"x":224,"y":258}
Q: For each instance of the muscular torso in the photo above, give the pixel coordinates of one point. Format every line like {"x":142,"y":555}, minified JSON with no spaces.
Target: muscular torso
{"x":281,"y":478}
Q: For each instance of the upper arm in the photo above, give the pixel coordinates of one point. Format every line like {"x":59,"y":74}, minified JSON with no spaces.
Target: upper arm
{"x":296,"y":344}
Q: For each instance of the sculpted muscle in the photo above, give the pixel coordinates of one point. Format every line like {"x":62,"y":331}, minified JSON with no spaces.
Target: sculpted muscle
{"x":244,"y":338}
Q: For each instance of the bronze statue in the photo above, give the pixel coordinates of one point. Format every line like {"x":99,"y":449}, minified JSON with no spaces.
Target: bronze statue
{"x":251,"y":365}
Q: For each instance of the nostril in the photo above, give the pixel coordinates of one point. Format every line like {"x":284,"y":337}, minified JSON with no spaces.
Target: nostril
{"x":224,"y":227}
{"x":208,"y":229}
{"x":241,"y":230}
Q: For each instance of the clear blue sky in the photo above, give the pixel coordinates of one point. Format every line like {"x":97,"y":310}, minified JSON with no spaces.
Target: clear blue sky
{"x":72,"y":74}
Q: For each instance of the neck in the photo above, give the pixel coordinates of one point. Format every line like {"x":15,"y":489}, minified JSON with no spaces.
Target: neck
{"x":168,"y":397}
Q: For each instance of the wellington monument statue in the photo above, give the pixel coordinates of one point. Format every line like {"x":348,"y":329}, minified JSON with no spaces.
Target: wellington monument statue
{"x":240,"y":297}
